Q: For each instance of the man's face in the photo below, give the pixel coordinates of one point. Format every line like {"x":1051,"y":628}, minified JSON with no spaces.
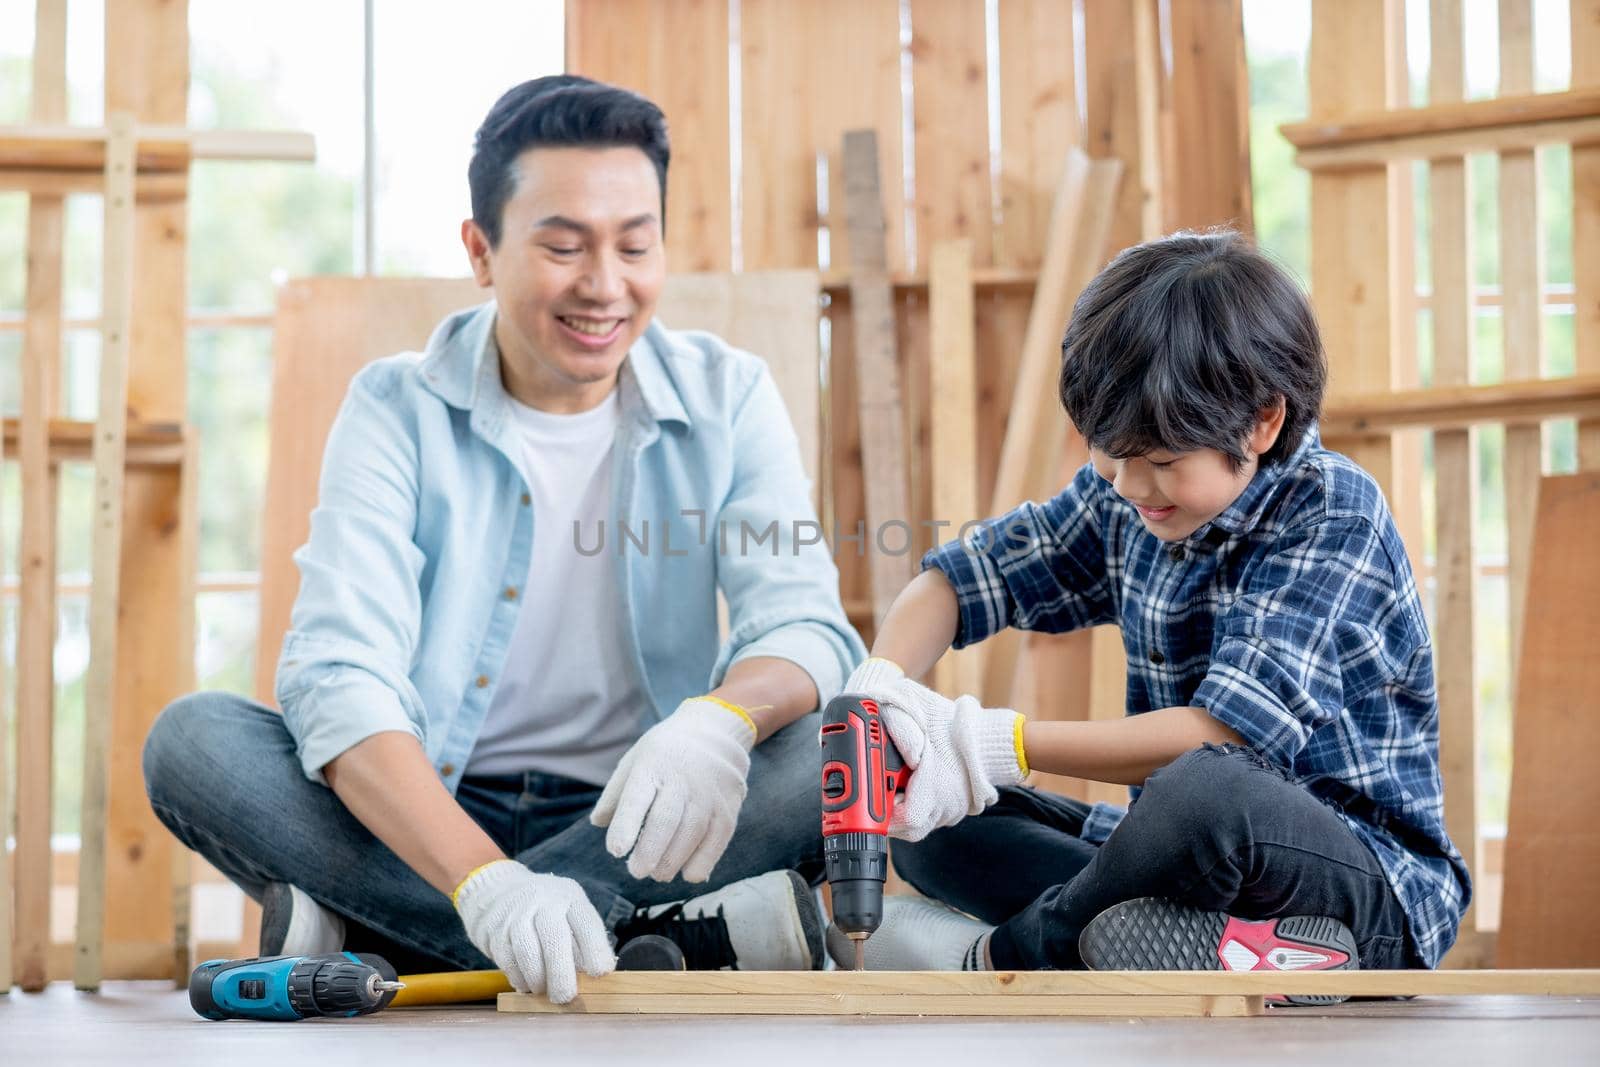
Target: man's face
{"x":577,"y":273}
{"x":1179,"y":492}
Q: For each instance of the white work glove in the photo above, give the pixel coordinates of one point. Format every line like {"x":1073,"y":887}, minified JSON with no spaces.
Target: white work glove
{"x":539,"y":929}
{"x":959,"y":753}
{"x":673,"y":801}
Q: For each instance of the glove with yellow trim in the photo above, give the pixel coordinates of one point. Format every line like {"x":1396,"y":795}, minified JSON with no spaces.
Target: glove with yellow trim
{"x":959,"y":752}
{"x":673,"y":801}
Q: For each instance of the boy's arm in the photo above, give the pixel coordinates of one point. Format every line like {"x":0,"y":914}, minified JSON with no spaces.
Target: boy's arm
{"x":920,"y":624}
{"x":1121,"y":751}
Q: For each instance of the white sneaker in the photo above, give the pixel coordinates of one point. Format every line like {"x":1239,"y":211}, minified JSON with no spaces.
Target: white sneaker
{"x":767,"y":923}
{"x":292,"y":924}
{"x":917,"y":934}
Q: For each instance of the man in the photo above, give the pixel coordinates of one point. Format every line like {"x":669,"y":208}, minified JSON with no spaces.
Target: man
{"x":508,"y":602}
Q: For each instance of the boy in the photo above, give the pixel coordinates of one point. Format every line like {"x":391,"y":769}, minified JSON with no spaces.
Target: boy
{"x":1283,"y":722}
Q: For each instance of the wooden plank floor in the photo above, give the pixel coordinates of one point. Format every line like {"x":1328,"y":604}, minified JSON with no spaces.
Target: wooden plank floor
{"x":135,"y":1024}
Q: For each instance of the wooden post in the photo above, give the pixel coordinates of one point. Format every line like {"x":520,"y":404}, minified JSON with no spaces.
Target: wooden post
{"x":878,"y":399}
{"x":36,"y":619}
{"x":184,"y":623}
{"x":1455,"y":455}
{"x":1209,"y":158}
{"x":147,"y":75}
{"x":1522,"y":314}
{"x":5,"y":807}
{"x":1585,"y":21}
{"x":110,"y":446}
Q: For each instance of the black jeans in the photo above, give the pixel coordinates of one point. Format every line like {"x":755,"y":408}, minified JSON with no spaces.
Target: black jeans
{"x":1216,"y":829}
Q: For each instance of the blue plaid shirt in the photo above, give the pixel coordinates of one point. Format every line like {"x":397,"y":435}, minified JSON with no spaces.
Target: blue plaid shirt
{"x":1291,"y":617}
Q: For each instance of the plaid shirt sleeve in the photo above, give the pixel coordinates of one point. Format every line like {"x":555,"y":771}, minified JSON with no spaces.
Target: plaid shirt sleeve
{"x":1039,"y":567}
{"x":1320,"y":625}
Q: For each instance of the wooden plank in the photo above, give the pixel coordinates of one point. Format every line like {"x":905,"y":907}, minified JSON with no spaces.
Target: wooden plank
{"x":58,"y":146}
{"x":1522,"y":314}
{"x":69,"y":440}
{"x":1352,"y":231}
{"x":1038,"y":123}
{"x":1455,"y":455}
{"x":5,"y":805}
{"x":1365,"y":154}
{"x":36,"y":620}
{"x":677,"y":55}
{"x":104,"y":601}
{"x":1210,"y":95}
{"x":1585,"y":26}
{"x":1005,"y":985}
{"x":950,"y":122}
{"x":809,"y":72}
{"x":878,"y":395}
{"x":897,"y":1005}
{"x":1552,"y":839}
{"x":1458,"y":406}
{"x":1369,"y":124}
{"x":147,"y":75}
{"x":59,"y":183}
{"x":954,"y":445}
{"x":1036,"y":433}
{"x":913,"y":358}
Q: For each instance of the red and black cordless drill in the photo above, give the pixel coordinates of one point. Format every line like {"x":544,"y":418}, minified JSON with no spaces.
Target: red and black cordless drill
{"x":861,"y":773}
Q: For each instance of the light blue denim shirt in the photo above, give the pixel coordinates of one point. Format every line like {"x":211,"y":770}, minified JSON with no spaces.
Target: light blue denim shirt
{"x":410,"y":582}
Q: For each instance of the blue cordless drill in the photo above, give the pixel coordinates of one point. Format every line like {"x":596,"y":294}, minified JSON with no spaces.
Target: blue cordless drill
{"x":286,"y":988}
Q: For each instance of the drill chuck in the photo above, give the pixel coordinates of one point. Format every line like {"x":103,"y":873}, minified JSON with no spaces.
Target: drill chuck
{"x":857,"y":866}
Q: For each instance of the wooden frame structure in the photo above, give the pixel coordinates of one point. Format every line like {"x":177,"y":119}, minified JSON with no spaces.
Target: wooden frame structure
{"x":145,"y":515}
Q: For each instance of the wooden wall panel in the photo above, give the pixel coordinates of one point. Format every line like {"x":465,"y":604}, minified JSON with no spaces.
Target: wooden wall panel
{"x":950,"y":117}
{"x":808,"y":73}
{"x":677,"y":55}
{"x":1352,"y":229}
{"x":1210,"y":125}
{"x":1585,"y":18}
{"x":1455,"y":452}
{"x":1120,"y":56}
{"x":1038,"y":123}
{"x":147,"y":74}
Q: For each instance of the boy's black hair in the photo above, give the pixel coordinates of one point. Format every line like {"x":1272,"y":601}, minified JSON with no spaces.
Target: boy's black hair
{"x":1182,"y":342}
{"x":561,"y":110}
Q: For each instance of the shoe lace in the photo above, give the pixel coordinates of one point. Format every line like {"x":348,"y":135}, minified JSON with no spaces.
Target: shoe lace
{"x":703,"y":938}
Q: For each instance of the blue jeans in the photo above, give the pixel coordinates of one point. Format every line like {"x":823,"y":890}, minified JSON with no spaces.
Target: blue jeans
{"x":222,"y":775}
{"x":1216,"y":829}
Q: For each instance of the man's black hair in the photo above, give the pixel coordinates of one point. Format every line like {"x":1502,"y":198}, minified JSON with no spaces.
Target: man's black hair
{"x":562,"y":110}
{"x":1182,"y":342}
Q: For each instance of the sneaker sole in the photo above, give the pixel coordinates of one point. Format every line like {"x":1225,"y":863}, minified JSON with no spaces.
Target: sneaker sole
{"x":810,"y":915}
{"x":1157,"y":935}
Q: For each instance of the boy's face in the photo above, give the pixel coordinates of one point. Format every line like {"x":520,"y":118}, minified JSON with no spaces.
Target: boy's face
{"x":577,"y":273}
{"x":1176,"y":493}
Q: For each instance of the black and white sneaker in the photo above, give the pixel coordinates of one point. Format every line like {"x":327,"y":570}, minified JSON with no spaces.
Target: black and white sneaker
{"x":1151,"y":934}
{"x":767,"y":923}
{"x":293,"y":924}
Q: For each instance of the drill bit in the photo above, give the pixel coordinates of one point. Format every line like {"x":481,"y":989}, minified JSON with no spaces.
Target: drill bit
{"x":861,"y":953}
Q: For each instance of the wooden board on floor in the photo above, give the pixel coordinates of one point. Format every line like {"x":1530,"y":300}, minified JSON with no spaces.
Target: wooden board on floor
{"x":1044,"y":993}
{"x":1552,"y":837}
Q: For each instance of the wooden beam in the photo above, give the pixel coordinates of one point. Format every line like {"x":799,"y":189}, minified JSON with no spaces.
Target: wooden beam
{"x":185,"y":638}
{"x":1038,"y":123}
{"x":891,"y":1005}
{"x":1507,"y":111}
{"x":60,"y":147}
{"x":951,"y":121}
{"x":36,"y":621}
{"x":882,"y":448}
{"x":164,"y":185}
{"x":71,"y":441}
{"x":1123,"y":109}
{"x":110,"y":445}
{"x":5,"y":811}
{"x":1210,"y":124}
{"x":1455,"y":407}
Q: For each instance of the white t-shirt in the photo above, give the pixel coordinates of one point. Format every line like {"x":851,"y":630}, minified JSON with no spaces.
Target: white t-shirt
{"x":570,"y":700}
